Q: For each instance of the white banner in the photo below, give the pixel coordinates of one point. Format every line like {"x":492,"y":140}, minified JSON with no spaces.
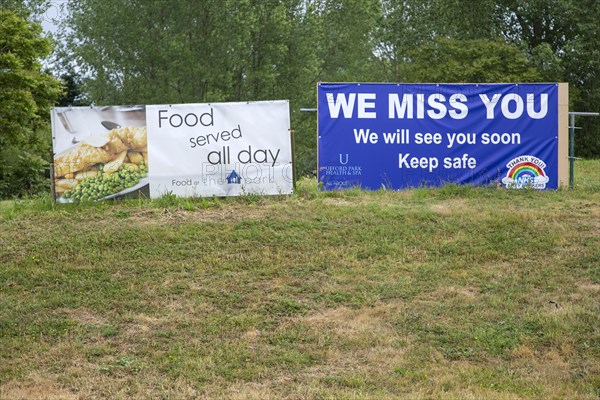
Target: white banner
{"x":217,"y":149}
{"x":221,"y":149}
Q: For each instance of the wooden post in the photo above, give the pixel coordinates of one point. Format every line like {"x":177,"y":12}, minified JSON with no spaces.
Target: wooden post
{"x":563,"y":135}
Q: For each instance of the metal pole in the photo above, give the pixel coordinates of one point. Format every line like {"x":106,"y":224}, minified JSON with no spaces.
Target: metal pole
{"x":572,"y":142}
{"x":293,"y":159}
{"x":572,"y":151}
{"x":584,"y":114}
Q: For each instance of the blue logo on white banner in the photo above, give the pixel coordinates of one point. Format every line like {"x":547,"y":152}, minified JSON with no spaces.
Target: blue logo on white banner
{"x":408,"y":135}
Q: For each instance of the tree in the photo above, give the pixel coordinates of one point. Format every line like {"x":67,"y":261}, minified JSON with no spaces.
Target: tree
{"x":582,"y":67}
{"x":563,"y":38}
{"x":25,"y":8}
{"x":72,"y":94}
{"x":477,"y":61}
{"x":27,"y":92}
{"x":26,"y":97}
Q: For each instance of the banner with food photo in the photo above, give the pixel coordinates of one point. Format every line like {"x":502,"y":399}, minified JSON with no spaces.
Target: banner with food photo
{"x":220,"y":149}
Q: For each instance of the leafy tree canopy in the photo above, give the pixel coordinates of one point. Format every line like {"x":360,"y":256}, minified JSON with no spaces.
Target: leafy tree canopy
{"x":27,"y":92}
{"x":476,"y":60}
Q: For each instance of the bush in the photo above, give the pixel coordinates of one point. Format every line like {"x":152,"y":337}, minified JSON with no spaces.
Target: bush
{"x":23,"y":173}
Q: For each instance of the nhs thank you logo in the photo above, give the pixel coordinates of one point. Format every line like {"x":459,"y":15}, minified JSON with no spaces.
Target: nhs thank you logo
{"x":525,"y":172}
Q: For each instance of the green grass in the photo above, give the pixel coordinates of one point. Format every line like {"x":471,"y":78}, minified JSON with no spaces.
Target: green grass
{"x":457,"y":292}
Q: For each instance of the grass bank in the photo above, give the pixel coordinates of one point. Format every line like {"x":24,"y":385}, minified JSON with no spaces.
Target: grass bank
{"x":455,"y":292}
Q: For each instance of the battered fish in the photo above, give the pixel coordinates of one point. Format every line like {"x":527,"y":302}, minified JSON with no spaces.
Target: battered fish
{"x":80,"y":158}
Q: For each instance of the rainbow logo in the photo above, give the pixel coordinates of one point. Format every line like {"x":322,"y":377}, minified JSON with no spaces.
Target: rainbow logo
{"x":525,"y":172}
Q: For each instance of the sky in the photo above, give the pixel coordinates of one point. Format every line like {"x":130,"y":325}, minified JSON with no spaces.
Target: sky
{"x":53,"y":15}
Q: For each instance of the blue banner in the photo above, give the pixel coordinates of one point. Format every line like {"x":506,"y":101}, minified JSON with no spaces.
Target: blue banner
{"x":409,"y":135}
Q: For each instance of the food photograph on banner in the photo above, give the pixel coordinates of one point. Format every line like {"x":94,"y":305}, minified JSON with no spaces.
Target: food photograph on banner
{"x":397,"y":136}
{"x":99,"y":152}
